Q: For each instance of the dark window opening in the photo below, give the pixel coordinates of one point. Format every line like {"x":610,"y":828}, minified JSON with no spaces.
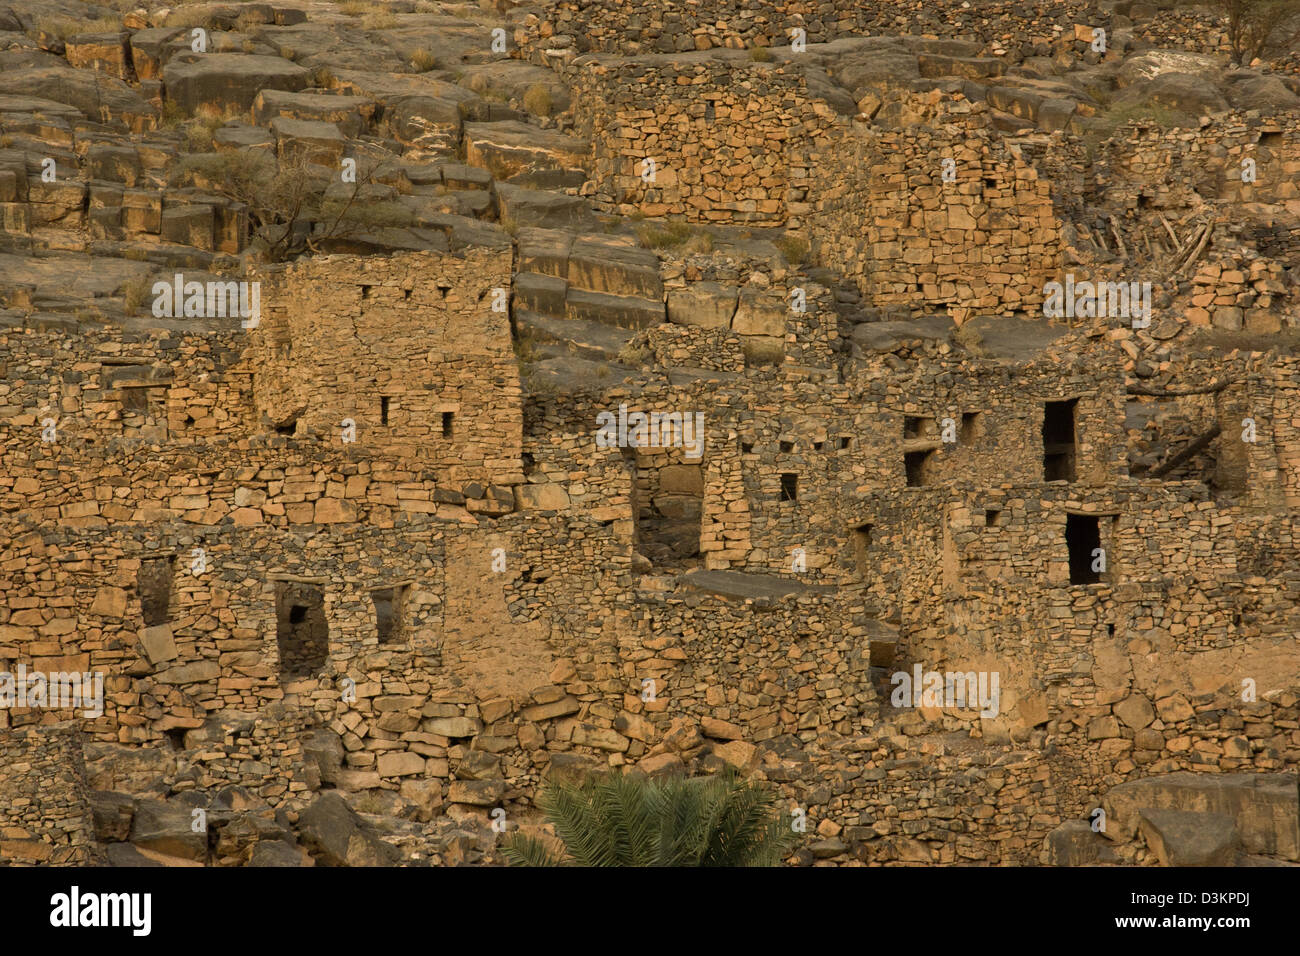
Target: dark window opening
{"x":787,"y":446}
{"x":916,"y":465}
{"x":447,"y":418}
{"x":845,"y":441}
{"x":992,"y":517}
{"x":287,"y":426}
{"x":912,"y":426}
{"x":789,"y":487}
{"x":383,"y":410}
{"x":154,"y":582}
{"x":861,"y":546}
{"x":365,"y":291}
{"x":817,"y":445}
{"x":746,"y":447}
{"x":1083,"y":539}
{"x":406,"y":294}
{"x":301,"y":630}
{"x":189,"y":420}
{"x":710,"y":111}
{"x":990,"y":182}
{"x":135,"y":400}
{"x":444,"y":289}
{"x":175,"y":737}
{"x":1059,"y":441}
{"x":972,"y":427}
{"x":388,"y":613}
{"x":1110,"y":630}
{"x":1270,"y":138}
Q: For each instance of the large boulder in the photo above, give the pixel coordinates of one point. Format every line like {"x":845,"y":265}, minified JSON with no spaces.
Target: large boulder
{"x":169,"y":830}
{"x":507,"y":148}
{"x":1264,"y":807}
{"x":1188,"y":838}
{"x":228,"y":81}
{"x":337,"y":836}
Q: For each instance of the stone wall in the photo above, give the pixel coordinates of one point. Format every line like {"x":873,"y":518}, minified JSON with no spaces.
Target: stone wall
{"x":986,"y":242}
{"x":722,"y":148}
{"x":45,"y":817}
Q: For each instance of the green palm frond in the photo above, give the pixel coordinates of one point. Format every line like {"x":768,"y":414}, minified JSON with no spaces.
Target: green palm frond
{"x":623,"y":820}
{"x":520,"y":850}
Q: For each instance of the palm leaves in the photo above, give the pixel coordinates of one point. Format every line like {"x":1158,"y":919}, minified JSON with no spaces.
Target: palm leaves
{"x":628,"y":821}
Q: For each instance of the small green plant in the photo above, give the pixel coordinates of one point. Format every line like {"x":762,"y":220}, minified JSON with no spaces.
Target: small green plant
{"x":636,"y":352}
{"x":760,"y":54}
{"x":794,"y":248}
{"x":134,"y":294}
{"x":669,"y":236}
{"x":322,"y":78}
{"x":64,"y":27}
{"x":423,"y":60}
{"x":537,"y":99}
{"x":172,"y":115}
{"x":621,"y":820}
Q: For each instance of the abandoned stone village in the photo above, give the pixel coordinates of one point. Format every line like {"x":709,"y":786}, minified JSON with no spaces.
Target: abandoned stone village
{"x":358,"y":575}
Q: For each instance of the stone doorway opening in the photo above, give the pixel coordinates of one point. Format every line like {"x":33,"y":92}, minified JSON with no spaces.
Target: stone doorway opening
{"x":301,"y":630}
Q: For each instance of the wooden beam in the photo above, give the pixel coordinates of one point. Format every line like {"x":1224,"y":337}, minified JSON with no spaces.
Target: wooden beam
{"x":1187,"y":453}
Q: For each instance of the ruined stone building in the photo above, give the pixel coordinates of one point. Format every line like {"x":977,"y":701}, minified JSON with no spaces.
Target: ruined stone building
{"x":406,"y":536}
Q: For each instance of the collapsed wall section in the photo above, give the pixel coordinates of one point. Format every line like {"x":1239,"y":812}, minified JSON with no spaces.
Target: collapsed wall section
{"x":703,"y":142}
{"x":45,"y":816}
{"x":943,"y":216}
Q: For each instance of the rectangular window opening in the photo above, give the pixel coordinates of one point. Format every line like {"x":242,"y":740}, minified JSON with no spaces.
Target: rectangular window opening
{"x":916,"y":464}
{"x":972,"y":427}
{"x":861,"y":547}
{"x":389,"y":606}
{"x":1083,"y":539}
{"x":447,"y":420}
{"x":992,"y":517}
{"x":787,"y":446}
{"x":154,"y":582}
{"x":844,"y":442}
{"x":912,"y":426}
{"x":1059,"y":441}
{"x":789,"y":487}
{"x":383,"y":410}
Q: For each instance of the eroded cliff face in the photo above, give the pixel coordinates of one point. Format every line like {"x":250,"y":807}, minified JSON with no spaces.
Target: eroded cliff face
{"x":403,"y":408}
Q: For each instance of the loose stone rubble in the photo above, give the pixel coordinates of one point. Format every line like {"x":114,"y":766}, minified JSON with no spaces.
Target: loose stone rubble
{"x":367,"y":563}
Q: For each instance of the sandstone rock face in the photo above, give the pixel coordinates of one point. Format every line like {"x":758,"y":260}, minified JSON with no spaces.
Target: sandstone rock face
{"x":363,"y":570}
{"x":1263,"y":811}
{"x":228,"y":81}
{"x":336,"y":836}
